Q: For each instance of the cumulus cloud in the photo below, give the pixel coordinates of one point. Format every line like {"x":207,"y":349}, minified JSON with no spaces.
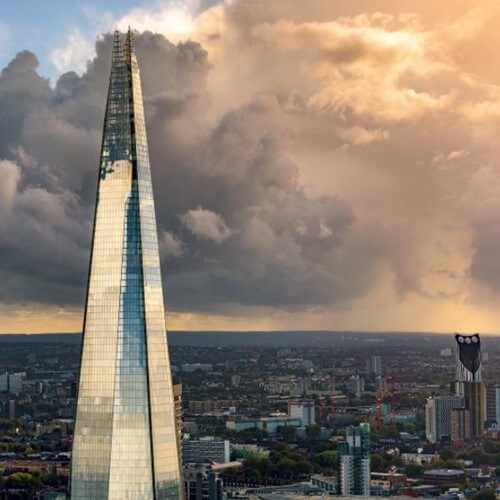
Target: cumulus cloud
{"x":170,"y":245}
{"x":206,"y":225}
{"x":307,"y":161}
{"x":74,"y":54}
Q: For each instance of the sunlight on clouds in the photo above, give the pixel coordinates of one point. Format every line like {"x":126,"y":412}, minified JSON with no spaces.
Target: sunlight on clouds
{"x":175,"y":20}
{"x":74,"y":55}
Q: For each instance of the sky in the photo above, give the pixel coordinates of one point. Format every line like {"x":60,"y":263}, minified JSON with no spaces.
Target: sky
{"x":319,"y":165}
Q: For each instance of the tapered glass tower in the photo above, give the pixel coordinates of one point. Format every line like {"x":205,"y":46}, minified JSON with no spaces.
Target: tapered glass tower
{"x":125,"y":442}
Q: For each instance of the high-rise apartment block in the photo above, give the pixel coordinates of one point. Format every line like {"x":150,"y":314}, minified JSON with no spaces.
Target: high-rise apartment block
{"x":475,"y":401}
{"x":469,"y":384}
{"x":493,"y":404}
{"x":438,"y":416}
{"x":460,"y":426}
{"x":125,"y":441}
{"x":376,"y":365}
{"x":354,"y":461}
{"x":302,"y":409}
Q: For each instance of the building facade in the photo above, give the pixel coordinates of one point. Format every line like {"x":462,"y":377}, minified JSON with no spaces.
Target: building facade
{"x":304,"y":410}
{"x":460,"y":426}
{"x":475,"y":402}
{"x":125,"y":440}
{"x":354,"y":461}
{"x":376,"y":365}
{"x":493,"y":404}
{"x":438,"y":416}
{"x":206,"y":450}
{"x":202,"y":483}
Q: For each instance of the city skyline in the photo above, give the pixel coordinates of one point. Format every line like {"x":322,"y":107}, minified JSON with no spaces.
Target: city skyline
{"x":297,"y":188}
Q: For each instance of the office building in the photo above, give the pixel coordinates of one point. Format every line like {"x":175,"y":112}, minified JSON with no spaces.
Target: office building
{"x":201,"y":482}
{"x":438,"y":416}
{"x":376,"y":365}
{"x":125,"y":439}
{"x":12,"y":382}
{"x":16,"y":382}
{"x":303,"y":410}
{"x":354,"y":461}
{"x":205,"y":450}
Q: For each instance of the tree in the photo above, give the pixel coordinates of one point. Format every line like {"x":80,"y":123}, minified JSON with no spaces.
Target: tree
{"x":286,"y":467}
{"x":447,"y":454}
{"x":377,"y":462}
{"x":327,"y":459}
{"x":288,"y":433}
{"x":414,"y":470}
{"x":313,"y":432}
{"x":486,"y":494}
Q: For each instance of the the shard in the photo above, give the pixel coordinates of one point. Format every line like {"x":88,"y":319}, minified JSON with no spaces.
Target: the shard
{"x":125,"y":444}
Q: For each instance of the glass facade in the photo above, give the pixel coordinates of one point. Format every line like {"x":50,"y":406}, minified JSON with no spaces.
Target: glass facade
{"x":125,"y":443}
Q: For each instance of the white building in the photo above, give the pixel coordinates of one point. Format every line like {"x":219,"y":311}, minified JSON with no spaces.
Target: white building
{"x":205,"y":450}
{"x":438,"y":416}
{"x":268,"y":424}
{"x":376,"y":365}
{"x":303,"y":410}
{"x":355,"y":461}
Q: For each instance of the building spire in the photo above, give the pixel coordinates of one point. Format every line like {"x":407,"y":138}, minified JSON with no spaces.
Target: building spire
{"x":130,"y":40}
{"x":117,"y":47}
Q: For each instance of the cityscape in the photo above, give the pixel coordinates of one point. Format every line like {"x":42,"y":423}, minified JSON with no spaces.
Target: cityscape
{"x":347,"y":414}
{"x":150,"y":401}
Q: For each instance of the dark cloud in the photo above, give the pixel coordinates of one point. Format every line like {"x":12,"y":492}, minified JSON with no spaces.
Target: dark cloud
{"x":236,"y":227}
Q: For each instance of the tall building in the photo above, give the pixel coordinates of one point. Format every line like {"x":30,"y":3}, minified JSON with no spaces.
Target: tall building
{"x":125,"y":440}
{"x":376,"y":365}
{"x":302,"y":409}
{"x":354,"y":458}
{"x":493,"y":404}
{"x":475,"y":402}
{"x":12,"y":382}
{"x":469,"y":384}
{"x":438,"y":416}
{"x":201,"y":482}
{"x":460,"y":426}
{"x":468,"y":358}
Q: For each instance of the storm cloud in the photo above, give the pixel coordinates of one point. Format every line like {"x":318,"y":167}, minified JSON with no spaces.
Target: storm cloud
{"x":301,"y":165}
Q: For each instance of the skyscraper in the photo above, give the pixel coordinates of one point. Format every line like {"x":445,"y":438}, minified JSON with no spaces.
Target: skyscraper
{"x":354,"y":458}
{"x":468,"y":358}
{"x":125,"y":442}
{"x":469,"y":384}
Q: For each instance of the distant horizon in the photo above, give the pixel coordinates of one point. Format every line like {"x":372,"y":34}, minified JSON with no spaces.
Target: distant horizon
{"x":285,"y":331}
